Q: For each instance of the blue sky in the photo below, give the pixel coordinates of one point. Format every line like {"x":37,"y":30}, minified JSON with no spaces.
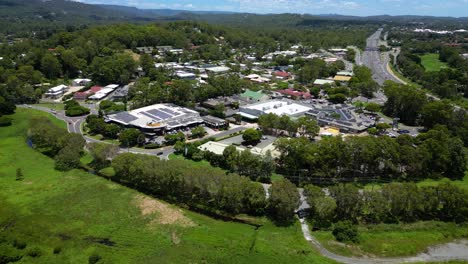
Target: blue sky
{"x":455,"y":8}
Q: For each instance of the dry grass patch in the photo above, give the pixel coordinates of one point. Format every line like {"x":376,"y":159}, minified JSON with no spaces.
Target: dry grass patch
{"x":136,"y":57}
{"x":163,"y":213}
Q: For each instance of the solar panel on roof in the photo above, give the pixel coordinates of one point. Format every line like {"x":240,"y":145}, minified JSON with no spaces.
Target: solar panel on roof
{"x":150,"y":116}
{"x":169,"y":111}
{"x":125,"y":117}
{"x":159,"y":114}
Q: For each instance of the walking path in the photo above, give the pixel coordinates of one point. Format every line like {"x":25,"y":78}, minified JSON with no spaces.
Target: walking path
{"x":457,"y":250}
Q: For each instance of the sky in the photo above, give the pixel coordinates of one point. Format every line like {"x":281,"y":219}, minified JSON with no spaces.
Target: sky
{"x":455,"y":8}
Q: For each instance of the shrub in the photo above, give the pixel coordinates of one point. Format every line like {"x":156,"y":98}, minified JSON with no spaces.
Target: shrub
{"x":19,"y":244}
{"x":5,"y":121}
{"x":34,"y":252}
{"x":57,"y":250}
{"x":94,"y":258}
{"x":152,"y":146}
{"x":345,"y":231}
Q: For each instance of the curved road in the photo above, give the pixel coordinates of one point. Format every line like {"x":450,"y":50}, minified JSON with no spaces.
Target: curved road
{"x":450,"y":251}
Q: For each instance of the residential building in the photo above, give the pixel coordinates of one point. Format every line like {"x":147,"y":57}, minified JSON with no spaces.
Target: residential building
{"x":57,"y":91}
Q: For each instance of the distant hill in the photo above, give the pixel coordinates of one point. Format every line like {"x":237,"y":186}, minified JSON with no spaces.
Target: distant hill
{"x":44,"y":17}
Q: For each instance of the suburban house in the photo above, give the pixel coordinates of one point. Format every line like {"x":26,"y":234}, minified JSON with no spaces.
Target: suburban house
{"x":321,"y":82}
{"x":57,"y":91}
{"x":295,"y":94}
{"x":250,"y":95}
{"x":282,"y":75}
{"x":80,"y":82}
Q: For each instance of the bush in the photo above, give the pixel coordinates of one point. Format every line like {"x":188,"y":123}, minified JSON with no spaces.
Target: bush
{"x":73,"y":108}
{"x":34,"y":252}
{"x":94,"y":258}
{"x":19,"y":244}
{"x":152,"y":146}
{"x":9,"y":254}
{"x":345,"y":231}
{"x":77,"y":111}
{"x":57,"y":250}
{"x":5,"y":121}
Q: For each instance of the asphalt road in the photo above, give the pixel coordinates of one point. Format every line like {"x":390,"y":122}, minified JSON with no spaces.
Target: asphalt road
{"x":373,"y":60}
{"x":74,"y":126}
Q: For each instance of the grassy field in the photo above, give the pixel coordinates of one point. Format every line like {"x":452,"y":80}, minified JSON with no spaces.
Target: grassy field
{"x":57,"y":106}
{"x":395,"y":240}
{"x":431,"y":62}
{"x":77,"y":214}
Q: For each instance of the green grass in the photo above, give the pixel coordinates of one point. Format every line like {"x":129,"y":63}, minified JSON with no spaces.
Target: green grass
{"x":429,"y":182}
{"x":202,"y":163}
{"x":396,"y":239}
{"x":74,"y":210}
{"x":108,"y":172}
{"x":86,"y":159}
{"x":57,"y":106}
{"x":431,"y":62}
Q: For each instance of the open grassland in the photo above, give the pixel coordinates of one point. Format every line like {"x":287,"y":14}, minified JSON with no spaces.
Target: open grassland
{"x":391,"y":240}
{"x":69,"y":216}
{"x":431,"y":62}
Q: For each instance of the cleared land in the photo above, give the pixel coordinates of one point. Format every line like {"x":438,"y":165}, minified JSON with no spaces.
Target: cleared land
{"x":431,"y":62}
{"x":80,"y":214}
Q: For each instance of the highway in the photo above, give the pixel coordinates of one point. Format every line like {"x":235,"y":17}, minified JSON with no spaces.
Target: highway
{"x":371,"y":58}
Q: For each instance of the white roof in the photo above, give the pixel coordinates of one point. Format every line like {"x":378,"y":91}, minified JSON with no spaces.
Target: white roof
{"x":279,"y":107}
{"x":218,"y":69}
{"x":322,"y":82}
{"x":57,"y":89}
{"x":215,"y":147}
{"x":142,"y":117}
{"x":182,"y":74}
{"x":345,"y":73}
{"x":111,"y":86}
{"x":106,"y":90}
{"x":81,"y":80}
{"x":98,"y":96}
{"x":252,"y":76}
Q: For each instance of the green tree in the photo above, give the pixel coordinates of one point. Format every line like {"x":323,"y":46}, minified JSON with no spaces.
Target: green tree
{"x":67,"y":159}
{"x":130,"y":137}
{"x":251,"y":136}
{"x":102,"y":153}
{"x":372,"y":107}
{"x":437,"y":112}
{"x":345,"y":231}
{"x":284,"y":199}
{"x":51,"y":66}
{"x":198,"y":132}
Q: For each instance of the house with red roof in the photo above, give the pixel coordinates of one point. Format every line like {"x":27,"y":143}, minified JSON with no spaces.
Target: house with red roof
{"x":295,"y":94}
{"x":87,"y":93}
{"x":282,"y":75}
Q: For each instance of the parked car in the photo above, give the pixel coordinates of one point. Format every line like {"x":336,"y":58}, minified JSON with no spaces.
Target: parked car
{"x":403,"y":131}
